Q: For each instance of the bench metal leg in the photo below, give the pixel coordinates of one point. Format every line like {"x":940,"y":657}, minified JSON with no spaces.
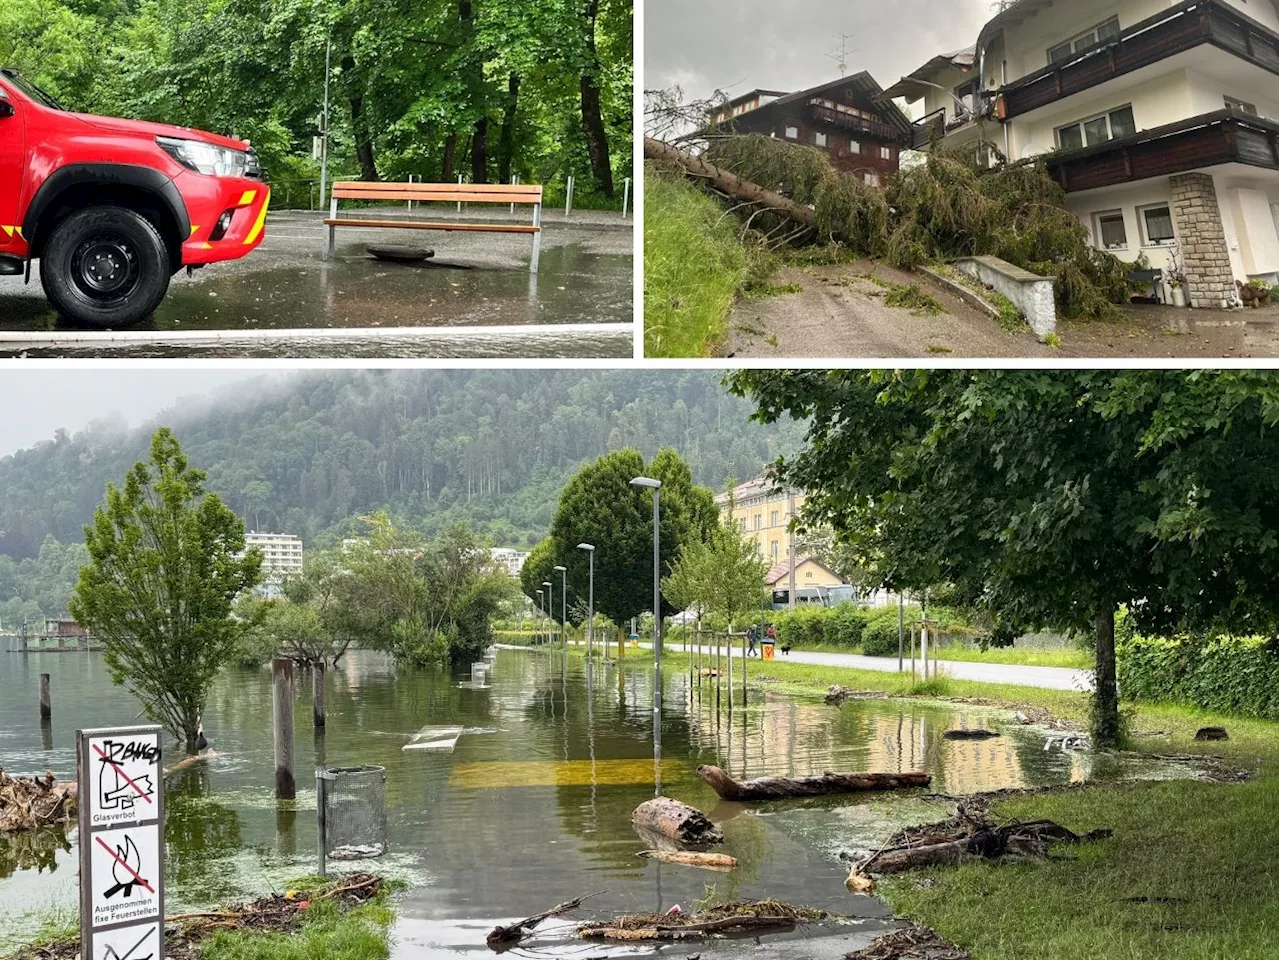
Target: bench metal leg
{"x":329,"y":252}
{"x":537,"y":238}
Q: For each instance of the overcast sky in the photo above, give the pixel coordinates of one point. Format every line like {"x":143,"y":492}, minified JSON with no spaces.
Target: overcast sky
{"x":38,"y":402}
{"x":741,"y":45}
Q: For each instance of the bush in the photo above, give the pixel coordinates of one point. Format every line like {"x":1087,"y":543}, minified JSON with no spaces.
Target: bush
{"x":807,"y":627}
{"x":880,"y":638}
{"x":1225,"y":674}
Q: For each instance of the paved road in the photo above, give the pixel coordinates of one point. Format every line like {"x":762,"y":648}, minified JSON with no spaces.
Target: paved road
{"x":1052,"y":678}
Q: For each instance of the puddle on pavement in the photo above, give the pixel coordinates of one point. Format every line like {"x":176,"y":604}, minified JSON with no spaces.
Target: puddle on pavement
{"x":533,"y":805}
{"x":572,"y":286}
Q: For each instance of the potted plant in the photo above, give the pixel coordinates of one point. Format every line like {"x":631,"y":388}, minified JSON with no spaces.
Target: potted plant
{"x":1175,"y":277}
{"x":1177,"y":291}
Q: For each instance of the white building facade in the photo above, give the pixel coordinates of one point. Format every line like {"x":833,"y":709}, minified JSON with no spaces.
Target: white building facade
{"x":1158,"y":118}
{"x":281,"y":554}
{"x":509,"y":559}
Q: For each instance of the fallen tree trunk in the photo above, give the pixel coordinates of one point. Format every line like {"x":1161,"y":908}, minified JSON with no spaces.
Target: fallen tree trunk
{"x":708,"y":861}
{"x":774,"y":788}
{"x":678,"y":820}
{"x":736,"y":916}
{"x":27,"y":803}
{"x":687,"y":931}
{"x":731,"y":184}
{"x":516,"y":931}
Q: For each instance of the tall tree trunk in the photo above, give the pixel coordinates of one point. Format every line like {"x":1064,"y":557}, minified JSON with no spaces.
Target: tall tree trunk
{"x":359,"y":123}
{"x":450,"y":148}
{"x":1105,"y":723}
{"x":507,"y":138}
{"x":479,"y":156}
{"x":592,"y":120}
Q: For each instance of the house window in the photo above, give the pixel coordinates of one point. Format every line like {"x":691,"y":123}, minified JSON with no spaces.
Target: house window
{"x":1157,"y":225}
{"x":756,"y":521}
{"x":967,"y":94}
{"x":791,"y":133}
{"x":871,"y":179}
{"x":773,"y":518}
{"x":773,"y":549}
{"x":742,"y":524}
{"x":819,"y":139}
{"x":1107,"y":126}
{"x":808,"y":575}
{"x":1102,"y":33}
{"x":1240,"y":106}
{"x":886,"y":153}
{"x":1111,"y":235}
{"x":855,"y":146}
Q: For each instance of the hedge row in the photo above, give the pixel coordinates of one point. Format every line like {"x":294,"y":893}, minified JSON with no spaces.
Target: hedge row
{"x":1226,"y":674}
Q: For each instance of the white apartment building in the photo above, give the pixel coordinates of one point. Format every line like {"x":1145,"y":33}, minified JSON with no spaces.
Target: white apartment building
{"x":1158,"y":117}
{"x":509,"y":559}
{"x":281,"y":554}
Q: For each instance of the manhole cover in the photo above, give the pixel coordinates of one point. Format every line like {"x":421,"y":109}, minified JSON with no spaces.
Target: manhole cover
{"x":396,"y":253}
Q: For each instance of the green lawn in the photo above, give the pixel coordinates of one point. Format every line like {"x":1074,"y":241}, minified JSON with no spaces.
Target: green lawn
{"x":694,"y":266}
{"x":1210,"y":846}
{"x":1058,"y":657}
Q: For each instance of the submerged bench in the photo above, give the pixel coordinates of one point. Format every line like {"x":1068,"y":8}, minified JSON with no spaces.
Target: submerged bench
{"x":448,"y":192}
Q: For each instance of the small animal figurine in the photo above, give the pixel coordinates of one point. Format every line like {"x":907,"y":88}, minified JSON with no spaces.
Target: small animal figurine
{"x":1252,"y":296}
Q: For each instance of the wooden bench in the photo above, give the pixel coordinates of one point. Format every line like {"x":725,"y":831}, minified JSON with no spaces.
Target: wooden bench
{"x":448,"y":192}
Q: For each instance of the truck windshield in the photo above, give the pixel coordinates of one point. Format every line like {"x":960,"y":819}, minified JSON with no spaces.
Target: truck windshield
{"x":30,"y":89}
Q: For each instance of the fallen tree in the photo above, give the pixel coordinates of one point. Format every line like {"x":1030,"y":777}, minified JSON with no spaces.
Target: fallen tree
{"x":776,"y":788}
{"x":514,"y":932}
{"x":757,"y":915}
{"x":708,"y":861}
{"x":27,"y":803}
{"x":951,"y":205}
{"x":677,"y":820}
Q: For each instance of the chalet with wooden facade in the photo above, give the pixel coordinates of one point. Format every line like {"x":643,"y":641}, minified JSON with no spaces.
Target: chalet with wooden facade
{"x":1157,"y":117}
{"x":842,"y":118}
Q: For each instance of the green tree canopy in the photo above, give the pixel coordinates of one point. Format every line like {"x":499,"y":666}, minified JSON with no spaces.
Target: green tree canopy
{"x":1049,"y":498}
{"x":166,"y":561}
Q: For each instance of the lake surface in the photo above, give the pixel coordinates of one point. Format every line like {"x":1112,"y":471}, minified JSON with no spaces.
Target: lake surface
{"x":533,"y":805}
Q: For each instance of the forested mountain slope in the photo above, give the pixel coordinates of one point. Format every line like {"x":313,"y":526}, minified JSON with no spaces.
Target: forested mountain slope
{"x":306,"y":454}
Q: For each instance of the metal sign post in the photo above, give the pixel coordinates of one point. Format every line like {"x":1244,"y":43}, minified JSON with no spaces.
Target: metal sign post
{"x":120,"y":780}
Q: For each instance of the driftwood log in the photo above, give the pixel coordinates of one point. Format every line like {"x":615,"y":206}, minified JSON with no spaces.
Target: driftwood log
{"x":27,"y":803}
{"x":775,"y":788}
{"x":729,"y":183}
{"x":708,"y":861}
{"x":517,"y":931}
{"x":677,"y":820}
{"x":976,"y":734}
{"x":686,"y":931}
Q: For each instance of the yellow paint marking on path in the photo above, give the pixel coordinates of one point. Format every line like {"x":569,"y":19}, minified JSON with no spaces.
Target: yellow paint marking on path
{"x":562,"y":773}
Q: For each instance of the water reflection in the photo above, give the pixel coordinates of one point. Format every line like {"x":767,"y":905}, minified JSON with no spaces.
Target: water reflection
{"x":533,"y":805}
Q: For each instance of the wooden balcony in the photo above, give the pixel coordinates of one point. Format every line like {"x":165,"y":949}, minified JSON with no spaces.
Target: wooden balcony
{"x":1213,"y":138}
{"x":1180,"y":28}
{"x":825,"y":110}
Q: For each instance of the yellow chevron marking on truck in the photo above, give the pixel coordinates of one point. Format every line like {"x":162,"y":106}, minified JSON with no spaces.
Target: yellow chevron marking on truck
{"x":247,"y":198}
{"x":261,"y":221}
{"x":194,"y":231}
{"x":8,"y":230}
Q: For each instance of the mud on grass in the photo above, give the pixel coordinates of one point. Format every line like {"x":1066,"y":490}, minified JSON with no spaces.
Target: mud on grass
{"x":344,"y":917}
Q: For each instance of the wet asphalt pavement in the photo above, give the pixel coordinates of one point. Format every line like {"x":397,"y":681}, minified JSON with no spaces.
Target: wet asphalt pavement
{"x":474,"y":298}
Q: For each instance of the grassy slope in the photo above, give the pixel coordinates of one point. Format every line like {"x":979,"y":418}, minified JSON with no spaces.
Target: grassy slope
{"x":1212,"y":846}
{"x":327,"y":934}
{"x":694,"y":265}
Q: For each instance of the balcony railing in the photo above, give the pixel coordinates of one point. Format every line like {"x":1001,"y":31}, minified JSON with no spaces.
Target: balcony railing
{"x":830,"y":112}
{"x":1224,"y":136}
{"x":1180,"y":28}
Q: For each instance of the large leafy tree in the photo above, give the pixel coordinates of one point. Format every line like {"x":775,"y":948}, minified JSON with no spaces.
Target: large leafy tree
{"x":1049,"y":498}
{"x":166,"y":561}
{"x":599,"y":506}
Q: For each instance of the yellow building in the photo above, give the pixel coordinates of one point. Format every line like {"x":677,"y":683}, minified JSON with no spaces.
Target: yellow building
{"x":762,"y":513}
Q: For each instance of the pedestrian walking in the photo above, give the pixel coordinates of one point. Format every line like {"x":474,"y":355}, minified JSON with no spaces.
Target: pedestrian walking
{"x":753,"y":637}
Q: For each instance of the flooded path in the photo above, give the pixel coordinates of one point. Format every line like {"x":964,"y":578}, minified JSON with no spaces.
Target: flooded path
{"x":532,"y":806}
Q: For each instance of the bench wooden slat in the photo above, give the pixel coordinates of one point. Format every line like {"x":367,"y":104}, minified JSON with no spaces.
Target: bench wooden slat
{"x":426,"y":225}
{"x":450,"y":192}
{"x":440,"y":197}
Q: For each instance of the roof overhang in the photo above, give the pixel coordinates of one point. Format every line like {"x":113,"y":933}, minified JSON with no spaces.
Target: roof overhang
{"x":911,"y":86}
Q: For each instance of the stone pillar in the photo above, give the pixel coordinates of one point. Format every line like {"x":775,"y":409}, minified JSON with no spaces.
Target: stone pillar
{"x":1198,"y":222}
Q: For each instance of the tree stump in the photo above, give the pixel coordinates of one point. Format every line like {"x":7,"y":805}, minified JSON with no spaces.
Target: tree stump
{"x":678,"y":820}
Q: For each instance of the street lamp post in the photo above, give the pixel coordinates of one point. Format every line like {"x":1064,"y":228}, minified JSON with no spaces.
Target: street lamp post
{"x":564,"y":595}
{"x":542,"y":611}
{"x":591,"y":594}
{"x":551,"y":606}
{"x":656,"y":487}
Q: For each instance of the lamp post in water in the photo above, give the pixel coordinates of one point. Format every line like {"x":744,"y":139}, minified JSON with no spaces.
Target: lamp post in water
{"x":564,"y":595}
{"x":591,"y":594}
{"x":655,"y":486}
{"x":542,"y":610}
{"x":551,"y":606}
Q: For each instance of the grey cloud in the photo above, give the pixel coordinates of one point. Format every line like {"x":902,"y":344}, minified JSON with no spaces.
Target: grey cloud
{"x":739,"y":45}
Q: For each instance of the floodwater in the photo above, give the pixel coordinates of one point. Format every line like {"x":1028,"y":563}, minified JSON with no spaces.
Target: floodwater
{"x":532,"y":807}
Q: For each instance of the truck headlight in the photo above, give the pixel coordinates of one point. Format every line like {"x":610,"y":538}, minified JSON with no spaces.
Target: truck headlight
{"x":204,"y":157}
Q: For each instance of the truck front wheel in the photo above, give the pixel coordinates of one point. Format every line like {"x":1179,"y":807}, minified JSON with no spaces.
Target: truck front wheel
{"x":105,"y":267}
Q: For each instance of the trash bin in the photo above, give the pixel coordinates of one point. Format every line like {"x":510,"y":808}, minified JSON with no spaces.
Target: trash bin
{"x":635,"y":639}
{"x":766,"y":649}
{"x":351,"y":812}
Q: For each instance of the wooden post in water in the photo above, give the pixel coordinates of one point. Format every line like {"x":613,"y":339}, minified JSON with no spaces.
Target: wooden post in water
{"x":46,"y":704}
{"x":719,"y":671}
{"x":282,"y":722}
{"x":317,"y":694}
{"x":744,"y":673}
{"x":728,"y":657}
